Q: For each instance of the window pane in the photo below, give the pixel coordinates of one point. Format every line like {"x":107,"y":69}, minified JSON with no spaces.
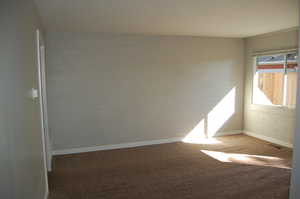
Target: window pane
{"x":270,"y":63}
{"x":292,"y":77}
{"x":291,"y":88}
{"x":270,"y":88}
{"x":275,"y":80}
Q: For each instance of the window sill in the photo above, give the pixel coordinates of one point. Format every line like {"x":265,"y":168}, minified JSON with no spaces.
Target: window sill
{"x":277,"y":109}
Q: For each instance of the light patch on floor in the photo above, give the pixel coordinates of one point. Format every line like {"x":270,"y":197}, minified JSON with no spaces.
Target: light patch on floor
{"x":247,"y":159}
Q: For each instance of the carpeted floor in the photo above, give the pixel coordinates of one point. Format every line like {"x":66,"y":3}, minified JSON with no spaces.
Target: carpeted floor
{"x":238,"y":167}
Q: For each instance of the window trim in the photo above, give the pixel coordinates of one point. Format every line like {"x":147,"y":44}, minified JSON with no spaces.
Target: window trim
{"x":254,"y":71}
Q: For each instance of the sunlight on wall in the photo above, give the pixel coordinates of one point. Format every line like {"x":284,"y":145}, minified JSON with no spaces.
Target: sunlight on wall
{"x":197,"y":135}
{"x":248,"y":159}
{"x":213,"y":121}
{"x":221,"y":113}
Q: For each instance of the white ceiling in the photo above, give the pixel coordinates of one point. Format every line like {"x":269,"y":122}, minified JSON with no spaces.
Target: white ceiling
{"x":222,"y":18}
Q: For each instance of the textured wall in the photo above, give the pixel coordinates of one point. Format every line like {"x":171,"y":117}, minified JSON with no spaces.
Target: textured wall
{"x":110,"y":89}
{"x":295,"y":179}
{"x":273,"y":122}
{"x":21,"y":158}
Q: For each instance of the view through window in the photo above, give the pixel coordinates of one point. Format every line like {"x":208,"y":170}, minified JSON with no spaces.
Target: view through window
{"x":275,"y":79}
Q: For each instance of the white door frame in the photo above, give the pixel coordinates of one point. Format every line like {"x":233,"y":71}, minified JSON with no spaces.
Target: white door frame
{"x":45,"y":109}
{"x":43,"y":101}
{"x":295,"y":177}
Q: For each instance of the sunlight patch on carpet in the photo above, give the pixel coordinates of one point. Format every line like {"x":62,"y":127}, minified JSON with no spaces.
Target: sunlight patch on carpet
{"x":257,"y":160}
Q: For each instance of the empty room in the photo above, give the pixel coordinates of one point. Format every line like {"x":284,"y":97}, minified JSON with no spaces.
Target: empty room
{"x":160,"y":99}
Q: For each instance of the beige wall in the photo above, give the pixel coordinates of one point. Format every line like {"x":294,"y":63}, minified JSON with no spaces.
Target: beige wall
{"x":295,"y":178}
{"x":21,"y":159}
{"x":111,"y":89}
{"x":272,"y":122}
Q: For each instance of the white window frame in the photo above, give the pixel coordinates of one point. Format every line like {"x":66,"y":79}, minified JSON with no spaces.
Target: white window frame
{"x":255,"y":82}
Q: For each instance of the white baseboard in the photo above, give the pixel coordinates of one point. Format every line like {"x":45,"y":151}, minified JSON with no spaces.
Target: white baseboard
{"x":224,"y":133}
{"x":131,"y":144}
{"x":116,"y":146}
{"x":46,"y":194}
{"x":269,"y":139}
{"x":49,"y":156}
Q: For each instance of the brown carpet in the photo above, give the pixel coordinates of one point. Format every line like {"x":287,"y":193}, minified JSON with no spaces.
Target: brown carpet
{"x":239,"y":167}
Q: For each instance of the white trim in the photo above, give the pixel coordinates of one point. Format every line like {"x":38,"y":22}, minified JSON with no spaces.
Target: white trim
{"x":38,"y":42}
{"x":254,"y":78}
{"x":255,"y":83}
{"x":45,"y":109}
{"x":269,"y":139}
{"x":285,"y":82}
{"x":132,"y":144}
{"x":46,"y":194}
{"x":275,"y":52}
{"x":116,"y":146}
{"x":224,"y":133}
{"x":266,"y":63}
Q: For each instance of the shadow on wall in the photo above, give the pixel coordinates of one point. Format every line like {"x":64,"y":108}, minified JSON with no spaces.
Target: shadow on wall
{"x":213,"y":121}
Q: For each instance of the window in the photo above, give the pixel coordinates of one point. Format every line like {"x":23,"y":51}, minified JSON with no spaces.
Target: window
{"x":275,"y":79}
